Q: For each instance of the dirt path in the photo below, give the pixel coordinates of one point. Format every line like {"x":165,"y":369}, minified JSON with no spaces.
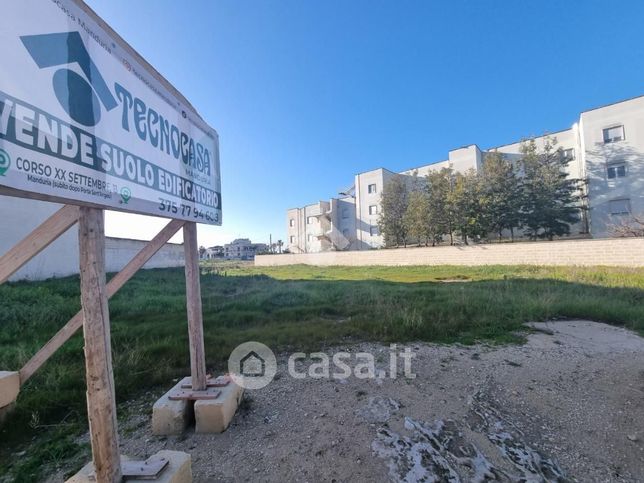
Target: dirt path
{"x":564,"y":406}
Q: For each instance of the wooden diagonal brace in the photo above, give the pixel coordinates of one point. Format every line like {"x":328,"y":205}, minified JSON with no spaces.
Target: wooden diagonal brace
{"x":37,"y":240}
{"x":113,"y":286}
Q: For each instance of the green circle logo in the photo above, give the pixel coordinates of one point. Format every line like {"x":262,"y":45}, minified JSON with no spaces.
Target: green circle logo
{"x":5,"y":162}
{"x":126,"y":194}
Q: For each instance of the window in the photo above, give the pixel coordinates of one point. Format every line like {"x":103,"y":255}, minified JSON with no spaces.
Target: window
{"x":292,"y":239}
{"x":291,"y":222}
{"x":373,"y":209}
{"x":373,"y":230}
{"x":614,"y":134}
{"x":568,"y":154}
{"x":345,"y":213}
{"x":616,"y":171}
{"x":372,"y":189}
{"x":310,"y":219}
{"x":620,"y":207}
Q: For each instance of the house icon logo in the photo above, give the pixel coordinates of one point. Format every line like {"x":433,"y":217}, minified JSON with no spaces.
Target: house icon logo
{"x":252,"y":365}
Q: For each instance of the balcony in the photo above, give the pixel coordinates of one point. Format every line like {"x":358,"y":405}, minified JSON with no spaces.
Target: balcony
{"x":335,"y":239}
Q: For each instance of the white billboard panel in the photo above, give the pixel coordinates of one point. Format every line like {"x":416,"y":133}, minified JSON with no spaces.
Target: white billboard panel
{"x":85,"y":120}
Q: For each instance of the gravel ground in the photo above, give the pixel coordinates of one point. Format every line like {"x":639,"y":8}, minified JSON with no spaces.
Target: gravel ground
{"x":566,"y":406}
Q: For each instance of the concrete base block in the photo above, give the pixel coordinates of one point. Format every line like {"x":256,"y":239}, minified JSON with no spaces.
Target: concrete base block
{"x":179,"y":469}
{"x":9,"y":387}
{"x":214,"y":415}
{"x":171,"y":417}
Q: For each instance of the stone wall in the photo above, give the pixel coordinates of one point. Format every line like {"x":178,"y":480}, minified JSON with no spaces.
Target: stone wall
{"x":60,"y":259}
{"x":119,"y":251}
{"x":622,"y":252}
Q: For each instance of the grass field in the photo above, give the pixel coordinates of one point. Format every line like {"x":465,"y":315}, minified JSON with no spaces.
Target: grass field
{"x":287,"y":308}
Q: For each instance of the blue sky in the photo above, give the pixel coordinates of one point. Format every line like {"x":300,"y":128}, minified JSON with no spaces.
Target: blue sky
{"x":305,"y":94}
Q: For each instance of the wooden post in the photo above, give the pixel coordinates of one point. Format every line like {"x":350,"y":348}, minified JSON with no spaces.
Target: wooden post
{"x":193,"y":300}
{"x":101,"y":403}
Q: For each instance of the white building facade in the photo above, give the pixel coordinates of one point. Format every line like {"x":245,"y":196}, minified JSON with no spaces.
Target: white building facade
{"x":243,"y":249}
{"x":605,"y":148}
{"x":213,"y":252}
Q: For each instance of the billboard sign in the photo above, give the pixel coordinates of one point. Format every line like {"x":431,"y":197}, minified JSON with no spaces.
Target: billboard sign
{"x":85,"y":120}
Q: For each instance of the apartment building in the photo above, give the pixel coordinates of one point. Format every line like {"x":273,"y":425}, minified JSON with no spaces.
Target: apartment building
{"x":605,"y":147}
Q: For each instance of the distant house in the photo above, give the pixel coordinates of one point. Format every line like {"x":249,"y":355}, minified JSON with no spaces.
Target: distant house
{"x":213,"y":252}
{"x":243,"y":249}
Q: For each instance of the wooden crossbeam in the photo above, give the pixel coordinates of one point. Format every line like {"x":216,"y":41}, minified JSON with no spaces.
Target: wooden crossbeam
{"x":220,"y":381}
{"x":190,"y":395}
{"x":76,"y":322}
{"x":37,"y":240}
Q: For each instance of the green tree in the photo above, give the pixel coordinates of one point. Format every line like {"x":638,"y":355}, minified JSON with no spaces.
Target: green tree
{"x":467,"y":203}
{"x":439,"y":186}
{"x":393,"y":205}
{"x":417,"y":217}
{"x":501,"y":190}
{"x":550,"y":198}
